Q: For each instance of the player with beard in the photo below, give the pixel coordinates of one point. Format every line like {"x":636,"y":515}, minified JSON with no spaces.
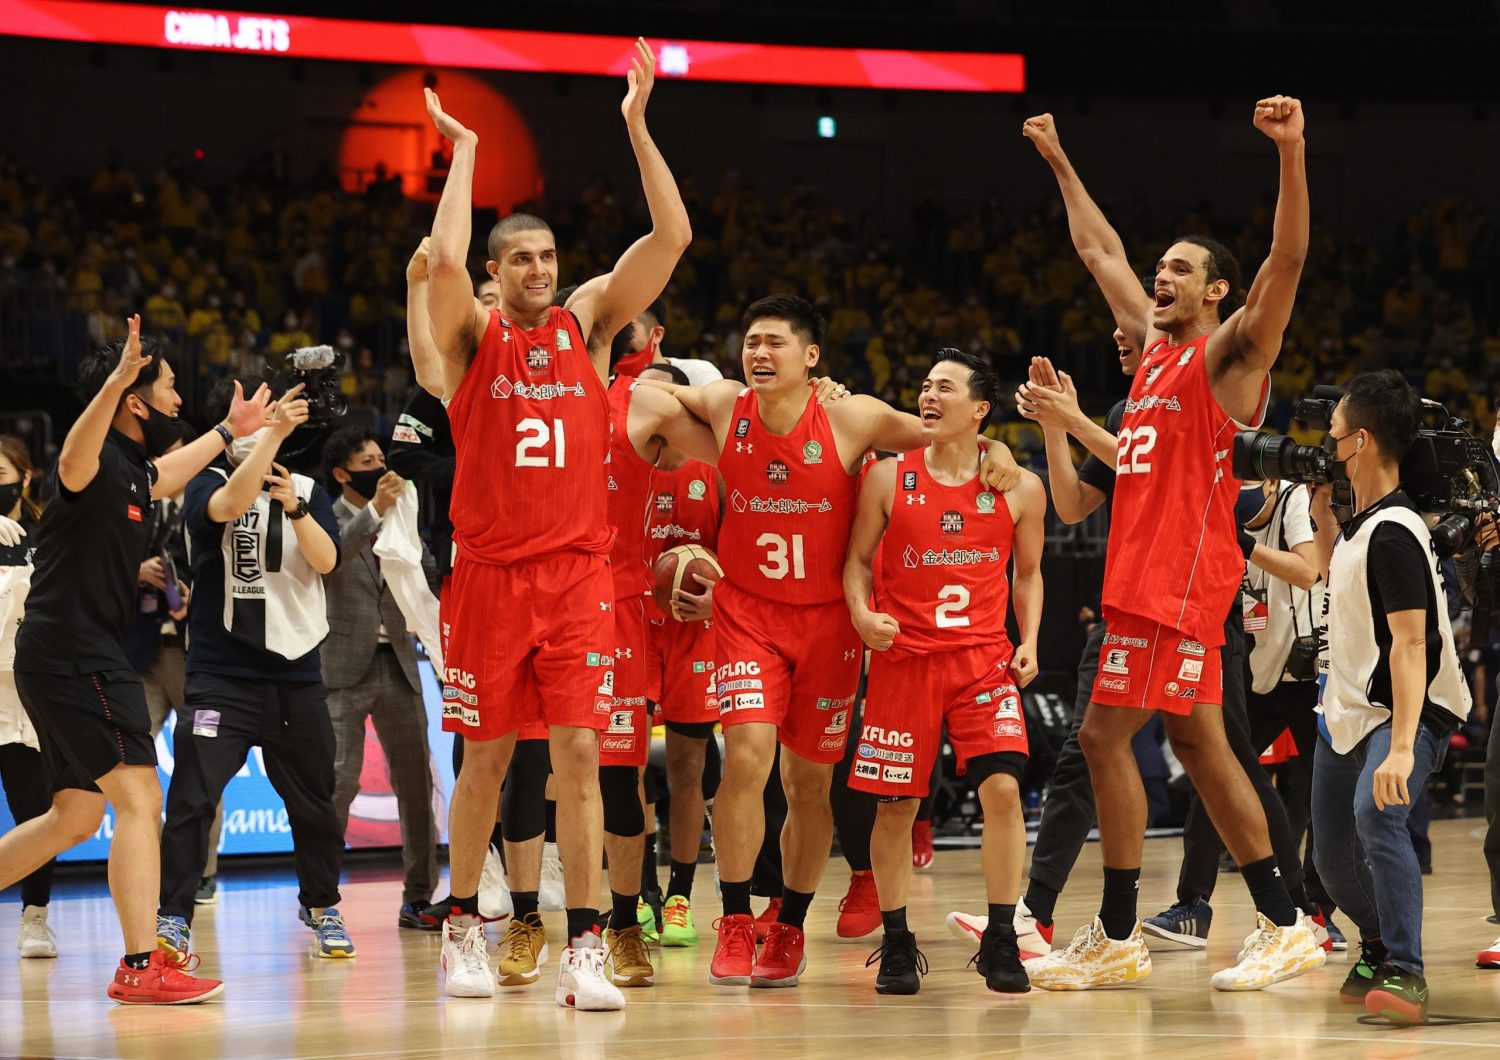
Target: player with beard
{"x":1174,"y":563}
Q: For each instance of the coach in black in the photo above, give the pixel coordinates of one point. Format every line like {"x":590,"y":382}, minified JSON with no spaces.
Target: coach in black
{"x":261,"y":539}
{"x":87,"y":705}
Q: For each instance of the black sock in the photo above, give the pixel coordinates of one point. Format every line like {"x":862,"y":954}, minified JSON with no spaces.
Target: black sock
{"x":1117,"y":913}
{"x":138,"y":961}
{"x":681,"y":881}
{"x":649,"y":879}
{"x":550,"y":834}
{"x":497,"y":840}
{"x":794,"y":907}
{"x":525,"y":904}
{"x":1041,"y":900}
{"x":736,"y":897}
{"x":1002,"y":919}
{"x":464,"y":906}
{"x":1269,"y":892}
{"x":894,"y":921}
{"x":622,"y":910}
{"x":583,"y":921}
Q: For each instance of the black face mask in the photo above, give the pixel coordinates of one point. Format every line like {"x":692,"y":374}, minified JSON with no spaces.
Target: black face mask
{"x":10,"y":496}
{"x":364,"y":482}
{"x":159,"y":431}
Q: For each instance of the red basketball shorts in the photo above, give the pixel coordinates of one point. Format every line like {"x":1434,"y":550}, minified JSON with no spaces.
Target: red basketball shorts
{"x":530,"y":642}
{"x":1151,"y":666}
{"x":910,"y":697}
{"x":795,"y":666}
{"x":680,"y":659}
{"x":626,"y":740}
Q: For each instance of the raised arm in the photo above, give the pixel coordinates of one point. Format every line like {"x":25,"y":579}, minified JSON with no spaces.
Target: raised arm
{"x":457,"y":318}
{"x":1026,"y":582}
{"x":870,"y":518}
{"x":1325,"y":527}
{"x":1247,"y":346}
{"x":78,"y":462}
{"x":426,"y":362}
{"x":712,"y":404}
{"x":643,"y":270}
{"x":1097,"y":243}
{"x":246,"y":416}
{"x":1049,"y":398}
{"x":233,"y":499}
{"x":881,"y":427}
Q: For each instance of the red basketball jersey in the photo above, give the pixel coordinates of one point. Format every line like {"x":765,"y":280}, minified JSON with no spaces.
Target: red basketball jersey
{"x":531,"y":430}
{"x":629,"y":485}
{"x":684,"y":509}
{"x":945,"y":561}
{"x":1173,"y":553}
{"x":791,"y":506}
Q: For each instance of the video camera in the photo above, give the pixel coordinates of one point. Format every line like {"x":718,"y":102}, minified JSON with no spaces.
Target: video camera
{"x":317,"y":368}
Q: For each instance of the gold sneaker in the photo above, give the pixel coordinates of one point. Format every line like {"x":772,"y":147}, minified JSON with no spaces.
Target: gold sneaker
{"x":1093,"y":959}
{"x":523,"y":951}
{"x":1272,"y":954}
{"x":629,"y":959}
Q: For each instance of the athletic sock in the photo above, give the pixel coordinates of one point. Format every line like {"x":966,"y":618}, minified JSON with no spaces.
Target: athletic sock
{"x":736,"y":898}
{"x":464,"y":906}
{"x":1269,"y":892}
{"x":681,"y":880}
{"x":894,"y":920}
{"x":497,"y":840}
{"x":551,"y":831}
{"x":1041,"y":900}
{"x":650,"y":881}
{"x":1002,"y":918}
{"x":622,"y":910}
{"x":585,"y":921}
{"x":1117,"y":913}
{"x":794,"y":906}
{"x":138,"y":961}
{"x":524,"y":903}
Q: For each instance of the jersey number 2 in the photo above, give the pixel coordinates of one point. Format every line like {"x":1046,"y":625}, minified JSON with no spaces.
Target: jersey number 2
{"x":1134,"y":446}
{"x":776,"y":566}
{"x":537,"y":435}
{"x":955,"y":598}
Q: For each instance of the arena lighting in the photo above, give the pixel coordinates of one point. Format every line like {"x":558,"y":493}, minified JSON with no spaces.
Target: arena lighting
{"x":204,"y":29}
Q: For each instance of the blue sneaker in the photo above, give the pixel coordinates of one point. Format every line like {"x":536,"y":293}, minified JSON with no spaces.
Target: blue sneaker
{"x":330,"y":931}
{"x":1185,"y":924}
{"x":173,"y":937}
{"x":1335,"y":936}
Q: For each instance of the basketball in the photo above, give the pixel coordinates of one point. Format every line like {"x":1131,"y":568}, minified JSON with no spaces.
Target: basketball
{"x":675,"y":569}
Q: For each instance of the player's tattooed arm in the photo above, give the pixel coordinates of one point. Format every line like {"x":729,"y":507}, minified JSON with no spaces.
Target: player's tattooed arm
{"x":1026,"y":585}
{"x":871,"y":515}
{"x":458,"y":318}
{"x":1097,"y":243}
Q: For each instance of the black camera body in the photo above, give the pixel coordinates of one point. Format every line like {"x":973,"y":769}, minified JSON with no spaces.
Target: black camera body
{"x":317,"y":369}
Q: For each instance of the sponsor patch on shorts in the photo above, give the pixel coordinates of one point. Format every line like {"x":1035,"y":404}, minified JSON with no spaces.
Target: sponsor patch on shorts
{"x":749,"y":701}
{"x":896,"y":774}
{"x":1114,"y":684}
{"x":868,"y":770}
{"x":1191,"y":670}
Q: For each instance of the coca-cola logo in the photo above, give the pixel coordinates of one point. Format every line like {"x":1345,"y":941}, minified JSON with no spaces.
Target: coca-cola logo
{"x":617,"y":743}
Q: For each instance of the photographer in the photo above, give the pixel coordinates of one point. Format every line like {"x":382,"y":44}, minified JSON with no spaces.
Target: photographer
{"x":261,"y":540}
{"x":1393,"y":693}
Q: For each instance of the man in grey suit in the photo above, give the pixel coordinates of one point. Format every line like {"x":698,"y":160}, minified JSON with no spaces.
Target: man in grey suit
{"x":370,"y":664}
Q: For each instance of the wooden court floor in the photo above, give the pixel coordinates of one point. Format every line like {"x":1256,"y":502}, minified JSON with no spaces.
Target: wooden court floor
{"x":281,"y":1002}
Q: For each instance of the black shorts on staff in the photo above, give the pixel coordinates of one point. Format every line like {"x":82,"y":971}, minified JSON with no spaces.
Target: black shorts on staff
{"x":87,"y":724}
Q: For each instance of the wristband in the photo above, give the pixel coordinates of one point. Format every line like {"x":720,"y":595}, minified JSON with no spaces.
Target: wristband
{"x":225,"y":433}
{"x":299,"y":512}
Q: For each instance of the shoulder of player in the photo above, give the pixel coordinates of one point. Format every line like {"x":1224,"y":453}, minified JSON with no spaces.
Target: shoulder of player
{"x":1028,"y":495}
{"x":880,"y":477}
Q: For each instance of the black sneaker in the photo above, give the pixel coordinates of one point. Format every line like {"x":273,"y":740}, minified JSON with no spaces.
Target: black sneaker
{"x":999,"y":961}
{"x":411,"y":916}
{"x":208,"y":891}
{"x":656,"y":901}
{"x":901,"y":964}
{"x":1362,"y":976}
{"x":1184,"y":924}
{"x":1399,"y":996}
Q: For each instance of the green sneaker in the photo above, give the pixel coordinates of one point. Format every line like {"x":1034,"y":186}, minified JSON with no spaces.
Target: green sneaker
{"x":678,"y":929}
{"x":1362,"y":976}
{"x":645,"y":916}
{"x":1399,"y":996}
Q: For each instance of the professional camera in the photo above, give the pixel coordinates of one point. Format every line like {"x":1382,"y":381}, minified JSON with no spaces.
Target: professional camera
{"x":317,"y":368}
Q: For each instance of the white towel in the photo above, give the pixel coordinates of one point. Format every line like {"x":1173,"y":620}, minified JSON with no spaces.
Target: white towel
{"x":399,"y":550}
{"x":15,"y":725}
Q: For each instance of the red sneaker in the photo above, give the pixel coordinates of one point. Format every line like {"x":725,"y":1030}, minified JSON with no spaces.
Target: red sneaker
{"x":921,"y":844}
{"x":765,"y":920}
{"x":781,"y":959}
{"x":162,"y":982}
{"x":1489,"y":957}
{"x":859,"y":911}
{"x":734,"y":954}
{"x":1320,"y":932}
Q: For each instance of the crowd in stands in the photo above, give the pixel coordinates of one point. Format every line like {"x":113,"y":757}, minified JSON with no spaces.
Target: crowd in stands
{"x":238,"y":273}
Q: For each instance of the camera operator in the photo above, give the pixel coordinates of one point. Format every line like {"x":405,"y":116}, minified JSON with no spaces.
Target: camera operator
{"x":1393,"y":692}
{"x":261,"y":539}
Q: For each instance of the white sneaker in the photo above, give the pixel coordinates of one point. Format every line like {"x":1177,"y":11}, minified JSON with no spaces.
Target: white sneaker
{"x":970,"y":928}
{"x":967,"y":927}
{"x":37,"y":939}
{"x":1093,"y":959}
{"x":1272,"y":954}
{"x":551,"y":894}
{"x":581,"y":982}
{"x":466,"y":961}
{"x":494,"y":894}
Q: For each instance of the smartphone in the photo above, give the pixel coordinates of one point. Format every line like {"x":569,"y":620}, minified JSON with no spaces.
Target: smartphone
{"x":174,"y":597}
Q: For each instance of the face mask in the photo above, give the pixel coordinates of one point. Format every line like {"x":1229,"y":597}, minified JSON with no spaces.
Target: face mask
{"x":159,"y":431}
{"x":10,"y":496}
{"x":239,"y":449}
{"x":364,"y":482}
{"x":1341,"y":468}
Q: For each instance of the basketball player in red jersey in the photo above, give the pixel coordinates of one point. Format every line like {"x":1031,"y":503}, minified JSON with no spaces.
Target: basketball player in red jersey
{"x":525,"y":390}
{"x":1174,"y":566}
{"x":942,"y":654}
{"x":789,"y":657}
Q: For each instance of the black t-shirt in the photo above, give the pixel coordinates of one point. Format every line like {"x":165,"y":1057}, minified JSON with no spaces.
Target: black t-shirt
{"x":212,"y":648}
{"x":422,"y":450}
{"x":1096,"y":472}
{"x":89,"y":547}
{"x":1399,"y":577}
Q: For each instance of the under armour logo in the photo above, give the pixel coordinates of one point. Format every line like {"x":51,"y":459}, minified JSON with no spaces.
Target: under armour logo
{"x":131,"y":980}
{"x":133,"y":489}
{"x":744,"y":447}
{"x":622,"y":653}
{"x":604,"y":605}
{"x":851,"y":654}
{"x":916,"y":498}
